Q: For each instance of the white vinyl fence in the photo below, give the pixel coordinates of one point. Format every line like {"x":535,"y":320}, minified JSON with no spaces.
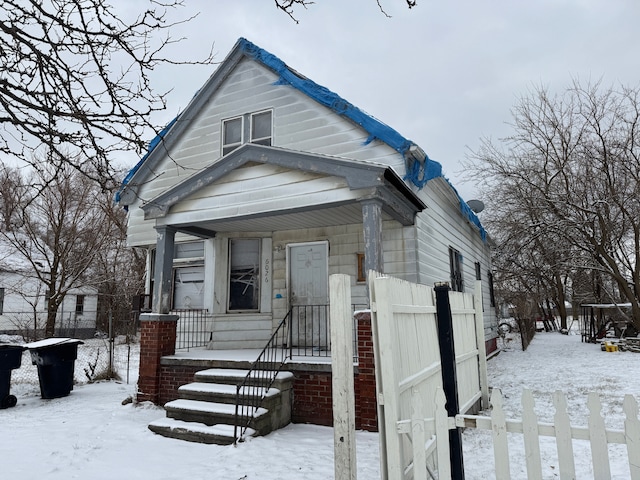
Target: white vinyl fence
{"x":595,"y":433}
{"x":415,"y":427}
{"x":409,"y":372}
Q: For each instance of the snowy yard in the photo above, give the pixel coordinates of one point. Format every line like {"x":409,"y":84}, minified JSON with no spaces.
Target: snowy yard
{"x":91,"y":435}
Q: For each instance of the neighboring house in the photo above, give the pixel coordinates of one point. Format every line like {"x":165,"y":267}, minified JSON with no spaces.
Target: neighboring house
{"x":267,"y":183}
{"x":23,"y":307}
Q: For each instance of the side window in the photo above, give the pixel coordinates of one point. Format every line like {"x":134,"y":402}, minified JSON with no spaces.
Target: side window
{"x":244,"y":274}
{"x":491,"y":291}
{"x":188,"y":276}
{"x":478,"y":271}
{"x":79,"y":304}
{"x":362,"y":274}
{"x":261,"y":128}
{"x":231,"y":134}
{"x":1,"y":300}
{"x":455,"y":264}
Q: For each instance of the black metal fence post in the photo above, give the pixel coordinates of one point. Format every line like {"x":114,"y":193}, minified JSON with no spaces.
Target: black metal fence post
{"x":449,"y":377}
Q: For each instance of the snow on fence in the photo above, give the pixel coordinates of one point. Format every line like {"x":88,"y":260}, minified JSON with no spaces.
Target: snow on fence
{"x":433,"y":432}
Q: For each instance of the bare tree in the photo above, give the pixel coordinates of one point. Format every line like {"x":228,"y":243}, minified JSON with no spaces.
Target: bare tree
{"x":76,"y":77}
{"x":58,"y":231}
{"x":118,"y":273}
{"x":570,"y":177}
{"x":288,"y":6}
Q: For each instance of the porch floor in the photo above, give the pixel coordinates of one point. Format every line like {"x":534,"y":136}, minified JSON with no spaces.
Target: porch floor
{"x":241,"y":358}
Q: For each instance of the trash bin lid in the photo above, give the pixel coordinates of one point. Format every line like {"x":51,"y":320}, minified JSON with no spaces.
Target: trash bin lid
{"x":50,"y":342}
{"x":12,"y":345}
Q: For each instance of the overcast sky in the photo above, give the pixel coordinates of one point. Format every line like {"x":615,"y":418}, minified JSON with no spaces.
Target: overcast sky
{"x":444,"y":74}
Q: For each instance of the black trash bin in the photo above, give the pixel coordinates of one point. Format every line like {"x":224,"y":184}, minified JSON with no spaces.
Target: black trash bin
{"x":55,"y":359}
{"x":10,"y":359}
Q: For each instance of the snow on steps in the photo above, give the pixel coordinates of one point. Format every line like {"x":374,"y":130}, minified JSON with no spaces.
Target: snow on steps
{"x":206,"y":407}
{"x":220,"y":434}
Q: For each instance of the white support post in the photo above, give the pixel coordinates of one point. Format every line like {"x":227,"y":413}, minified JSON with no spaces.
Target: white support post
{"x":344,"y":418}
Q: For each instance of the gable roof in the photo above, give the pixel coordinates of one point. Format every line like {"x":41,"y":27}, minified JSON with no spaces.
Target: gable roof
{"x":419,"y":167}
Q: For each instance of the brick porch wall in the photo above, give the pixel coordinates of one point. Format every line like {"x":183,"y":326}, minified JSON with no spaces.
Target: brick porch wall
{"x":312,"y":400}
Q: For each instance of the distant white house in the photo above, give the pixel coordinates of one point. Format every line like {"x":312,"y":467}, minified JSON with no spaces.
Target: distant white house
{"x":268,"y":183}
{"x":23,"y":307}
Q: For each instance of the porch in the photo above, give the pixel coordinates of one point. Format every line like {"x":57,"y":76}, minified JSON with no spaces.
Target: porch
{"x":165,"y":368}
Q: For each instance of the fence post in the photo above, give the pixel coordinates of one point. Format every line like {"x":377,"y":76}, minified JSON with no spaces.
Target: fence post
{"x":449,"y":377}
{"x":482,"y":350}
{"x":342,"y":377}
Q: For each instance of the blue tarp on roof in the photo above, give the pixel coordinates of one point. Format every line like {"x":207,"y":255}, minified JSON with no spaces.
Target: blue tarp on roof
{"x":419,"y":170}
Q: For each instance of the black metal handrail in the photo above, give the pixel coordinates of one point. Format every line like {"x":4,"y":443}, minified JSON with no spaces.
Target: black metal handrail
{"x":256,"y":384}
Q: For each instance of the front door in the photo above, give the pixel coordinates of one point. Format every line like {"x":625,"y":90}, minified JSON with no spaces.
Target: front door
{"x":309,"y":294}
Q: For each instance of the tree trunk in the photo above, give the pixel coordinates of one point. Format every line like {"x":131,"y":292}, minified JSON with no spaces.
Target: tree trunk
{"x":52,"y":312}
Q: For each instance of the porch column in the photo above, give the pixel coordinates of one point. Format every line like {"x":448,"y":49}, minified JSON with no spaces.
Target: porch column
{"x":163,"y":273}
{"x":372,"y":225}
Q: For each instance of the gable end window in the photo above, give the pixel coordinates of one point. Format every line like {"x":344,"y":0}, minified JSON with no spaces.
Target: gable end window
{"x":455,"y":264}
{"x":261,"y":128}
{"x":254,"y":127}
{"x":231,"y":134}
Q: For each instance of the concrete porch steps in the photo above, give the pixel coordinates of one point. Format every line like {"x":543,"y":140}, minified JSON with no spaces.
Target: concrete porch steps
{"x":205,"y":411}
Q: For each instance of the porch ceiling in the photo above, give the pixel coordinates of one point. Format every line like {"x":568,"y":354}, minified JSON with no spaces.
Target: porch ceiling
{"x":286,"y":220}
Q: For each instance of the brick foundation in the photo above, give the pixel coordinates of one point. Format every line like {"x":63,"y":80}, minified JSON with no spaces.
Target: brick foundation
{"x":171,"y":378}
{"x":312,"y":400}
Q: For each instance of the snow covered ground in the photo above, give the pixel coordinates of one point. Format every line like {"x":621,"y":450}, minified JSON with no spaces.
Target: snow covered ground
{"x":91,"y":435}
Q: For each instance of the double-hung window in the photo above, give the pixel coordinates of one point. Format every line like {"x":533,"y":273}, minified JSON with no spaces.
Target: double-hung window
{"x":249,"y":128}
{"x":79,"y":304}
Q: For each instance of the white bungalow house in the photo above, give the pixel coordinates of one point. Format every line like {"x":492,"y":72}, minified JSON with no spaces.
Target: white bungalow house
{"x":267,"y":183}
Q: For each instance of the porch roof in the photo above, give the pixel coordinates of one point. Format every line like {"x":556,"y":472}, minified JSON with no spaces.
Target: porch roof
{"x":367,"y":180}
